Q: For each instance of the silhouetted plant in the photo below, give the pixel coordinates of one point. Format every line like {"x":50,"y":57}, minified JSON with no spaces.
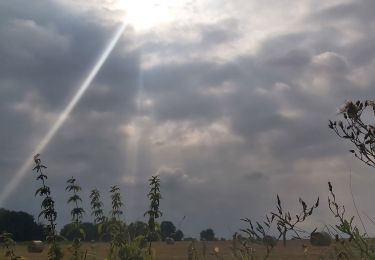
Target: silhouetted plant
{"x":115,"y":227}
{"x":97,"y":212}
{"x":284,"y":221}
{"x":354,"y":243}
{"x":354,"y":128}
{"x":8,"y":244}
{"x":153,"y":213}
{"x":97,"y":207}
{"x":242,"y":248}
{"x":48,"y":211}
{"x":288,"y":223}
{"x":116,"y":211}
{"x":77,"y":215}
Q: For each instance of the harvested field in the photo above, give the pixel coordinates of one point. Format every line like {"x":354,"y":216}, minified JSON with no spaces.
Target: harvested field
{"x":178,"y":251}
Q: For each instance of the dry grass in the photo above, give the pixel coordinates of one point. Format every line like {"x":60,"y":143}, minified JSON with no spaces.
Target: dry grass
{"x":178,"y":251}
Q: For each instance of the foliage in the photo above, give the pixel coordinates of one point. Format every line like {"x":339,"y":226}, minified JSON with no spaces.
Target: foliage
{"x":48,"y":211}
{"x":8,"y":243}
{"x":153,"y":213}
{"x":77,"y":215}
{"x":21,"y":225}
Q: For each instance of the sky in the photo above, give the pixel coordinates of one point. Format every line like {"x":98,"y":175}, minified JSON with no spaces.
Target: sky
{"x":227,"y":101}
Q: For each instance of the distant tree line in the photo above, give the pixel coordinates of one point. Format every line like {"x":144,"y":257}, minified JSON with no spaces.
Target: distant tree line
{"x":138,"y":228}
{"x":21,"y":224}
{"x":24,"y":228}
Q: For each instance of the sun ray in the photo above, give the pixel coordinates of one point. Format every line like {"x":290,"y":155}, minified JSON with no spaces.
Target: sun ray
{"x":20,"y":174}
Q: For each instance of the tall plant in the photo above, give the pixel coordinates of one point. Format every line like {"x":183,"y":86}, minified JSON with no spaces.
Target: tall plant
{"x":117,"y":204}
{"x":153,"y":212}
{"x":77,"y":215}
{"x":48,"y":211}
{"x":115,"y":227}
{"x":122,"y":247}
{"x":97,"y":207}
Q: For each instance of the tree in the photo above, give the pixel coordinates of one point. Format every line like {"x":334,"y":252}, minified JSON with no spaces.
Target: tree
{"x":21,"y":225}
{"x":207,"y":235}
{"x":167,"y":229}
{"x":178,"y":235}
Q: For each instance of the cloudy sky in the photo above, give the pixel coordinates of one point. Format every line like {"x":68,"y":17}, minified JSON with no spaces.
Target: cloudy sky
{"x":226,"y":100}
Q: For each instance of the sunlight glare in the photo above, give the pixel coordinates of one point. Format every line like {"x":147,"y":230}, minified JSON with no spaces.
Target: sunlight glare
{"x":146,"y":14}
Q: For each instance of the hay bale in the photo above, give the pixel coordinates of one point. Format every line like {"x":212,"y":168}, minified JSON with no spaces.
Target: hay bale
{"x":270,"y":241}
{"x":169,"y":240}
{"x":320,"y":239}
{"x":35,"y":246}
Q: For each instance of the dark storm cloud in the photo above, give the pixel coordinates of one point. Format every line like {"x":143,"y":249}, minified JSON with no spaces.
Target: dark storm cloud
{"x":360,"y":11}
{"x":50,"y":51}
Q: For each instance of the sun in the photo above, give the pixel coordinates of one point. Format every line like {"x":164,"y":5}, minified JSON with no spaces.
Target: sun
{"x":147,"y":14}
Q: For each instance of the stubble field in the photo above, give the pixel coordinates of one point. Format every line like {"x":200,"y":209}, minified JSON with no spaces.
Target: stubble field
{"x":179,"y":250}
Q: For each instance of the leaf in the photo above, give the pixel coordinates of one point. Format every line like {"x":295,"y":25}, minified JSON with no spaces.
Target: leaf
{"x":74,"y":198}
{"x":317,"y":203}
{"x":330,"y":186}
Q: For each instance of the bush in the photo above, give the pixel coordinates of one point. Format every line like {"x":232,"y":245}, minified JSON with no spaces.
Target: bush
{"x":320,"y":239}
